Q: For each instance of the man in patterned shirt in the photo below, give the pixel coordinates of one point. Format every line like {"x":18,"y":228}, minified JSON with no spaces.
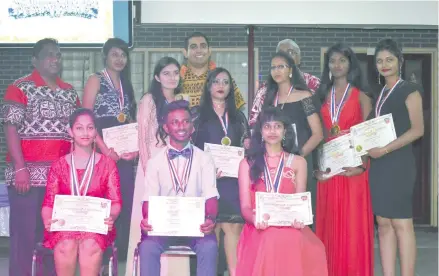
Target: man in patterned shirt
{"x":35,"y":118}
{"x":313,"y":83}
{"x":197,"y":52}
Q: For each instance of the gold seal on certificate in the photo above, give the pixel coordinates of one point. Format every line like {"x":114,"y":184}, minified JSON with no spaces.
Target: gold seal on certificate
{"x":80,"y":213}
{"x":226,"y":141}
{"x":377,"y":132}
{"x":121,"y":117}
{"x":279,"y":209}
{"x":336,"y":155}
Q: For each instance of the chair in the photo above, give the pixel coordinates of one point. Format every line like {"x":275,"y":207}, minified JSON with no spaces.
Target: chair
{"x":171,"y":250}
{"x":40,"y":251}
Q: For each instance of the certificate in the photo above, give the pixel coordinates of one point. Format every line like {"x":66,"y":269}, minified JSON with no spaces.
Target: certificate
{"x":336,"y":154}
{"x":282,"y":209}
{"x":123,"y":138}
{"x":80,"y":213}
{"x":374,"y":133}
{"x":226,"y":158}
{"x":176,"y":216}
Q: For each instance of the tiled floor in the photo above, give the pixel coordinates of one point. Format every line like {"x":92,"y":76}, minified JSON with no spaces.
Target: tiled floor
{"x":426,"y":265}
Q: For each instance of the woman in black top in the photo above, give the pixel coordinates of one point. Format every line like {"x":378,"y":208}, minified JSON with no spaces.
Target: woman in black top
{"x":392,"y":167}
{"x":221,"y":123}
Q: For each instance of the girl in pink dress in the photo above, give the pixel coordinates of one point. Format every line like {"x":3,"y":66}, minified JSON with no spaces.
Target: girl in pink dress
{"x":83,"y":172}
{"x":266,"y":250}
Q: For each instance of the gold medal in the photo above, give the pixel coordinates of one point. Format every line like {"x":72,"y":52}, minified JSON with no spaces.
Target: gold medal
{"x":225,"y":141}
{"x":121,"y":117}
{"x":335,"y":130}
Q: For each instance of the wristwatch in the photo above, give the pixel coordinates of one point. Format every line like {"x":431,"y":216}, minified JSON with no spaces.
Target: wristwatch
{"x":213,"y":219}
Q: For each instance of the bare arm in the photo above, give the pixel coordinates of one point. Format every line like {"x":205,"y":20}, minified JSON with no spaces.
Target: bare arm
{"x":13,"y":142}
{"x":91,"y":90}
{"x":414,"y":106}
{"x":245,"y":191}
{"x":301,"y":171}
{"x":366,"y":105}
{"x":316,"y":134}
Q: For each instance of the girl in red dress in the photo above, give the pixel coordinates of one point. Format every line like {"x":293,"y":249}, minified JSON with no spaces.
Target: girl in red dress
{"x":96,"y":176}
{"x":275,"y":251}
{"x":344,"y":215}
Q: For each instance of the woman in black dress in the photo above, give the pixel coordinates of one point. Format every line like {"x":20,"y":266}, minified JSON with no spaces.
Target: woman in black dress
{"x":287,"y":90}
{"x":219,"y":122}
{"x":392,"y":167}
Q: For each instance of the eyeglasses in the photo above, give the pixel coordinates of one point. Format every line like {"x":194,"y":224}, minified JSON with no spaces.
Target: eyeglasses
{"x":279,"y":67}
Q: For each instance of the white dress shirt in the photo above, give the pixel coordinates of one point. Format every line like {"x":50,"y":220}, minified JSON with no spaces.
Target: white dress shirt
{"x":202,"y":178}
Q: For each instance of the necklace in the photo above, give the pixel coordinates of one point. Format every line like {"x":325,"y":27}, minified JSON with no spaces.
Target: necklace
{"x":218,"y":104}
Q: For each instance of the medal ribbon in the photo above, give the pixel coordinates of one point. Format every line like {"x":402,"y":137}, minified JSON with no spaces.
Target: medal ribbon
{"x":336,"y":110}
{"x":270,"y":186}
{"x":109,"y":81}
{"x":380,"y":103}
{"x":225,"y":122}
{"x":81,"y":189}
{"x":180,"y":184}
{"x":276,"y":100}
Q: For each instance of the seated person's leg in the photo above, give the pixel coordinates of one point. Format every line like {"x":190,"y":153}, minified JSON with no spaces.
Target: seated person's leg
{"x":150,"y":250}
{"x":90,"y":257}
{"x":65,"y":254}
{"x":206,"y":249}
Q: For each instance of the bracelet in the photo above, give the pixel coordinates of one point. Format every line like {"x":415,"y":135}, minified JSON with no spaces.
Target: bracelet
{"x":24,"y":168}
{"x":387,"y":151}
{"x":211,"y":218}
{"x":362,"y":168}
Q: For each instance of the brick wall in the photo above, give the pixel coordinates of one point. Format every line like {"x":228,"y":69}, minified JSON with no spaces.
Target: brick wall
{"x":15,"y":63}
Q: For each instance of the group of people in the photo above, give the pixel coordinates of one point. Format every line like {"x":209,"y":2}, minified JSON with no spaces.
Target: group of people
{"x":55,"y":146}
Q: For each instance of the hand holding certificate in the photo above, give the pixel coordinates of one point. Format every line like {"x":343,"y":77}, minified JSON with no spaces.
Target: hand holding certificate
{"x":374,"y":133}
{"x":337,"y":154}
{"x":283,"y":209}
{"x":80,"y":213}
{"x":226,"y":158}
{"x":123,"y":138}
{"x":176,"y":216}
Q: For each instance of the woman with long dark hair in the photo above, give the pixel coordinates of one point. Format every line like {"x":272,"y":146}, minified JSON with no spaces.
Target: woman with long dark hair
{"x":219,"y":123}
{"x":164,"y":87}
{"x":272,"y":165}
{"x":392,"y":167}
{"x":343,"y":201}
{"x":67,"y":175}
{"x":287,"y":90}
{"x":110,"y":95}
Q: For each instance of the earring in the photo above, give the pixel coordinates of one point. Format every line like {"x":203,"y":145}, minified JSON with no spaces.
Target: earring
{"x":379,"y":78}
{"x":72,"y":146}
{"x":94,"y":144}
{"x":330,"y":75}
{"x":290,"y":75}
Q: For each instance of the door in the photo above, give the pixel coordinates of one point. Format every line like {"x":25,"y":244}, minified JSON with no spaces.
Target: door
{"x":416,"y":68}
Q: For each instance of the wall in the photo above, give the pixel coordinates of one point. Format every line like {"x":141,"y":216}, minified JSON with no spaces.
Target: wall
{"x":15,"y":63}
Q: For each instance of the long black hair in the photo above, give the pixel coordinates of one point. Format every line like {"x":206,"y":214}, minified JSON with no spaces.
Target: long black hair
{"x":256,"y":152}
{"x":206,"y":105}
{"x":296,"y":79}
{"x":354,"y":76}
{"x":155,"y":89}
{"x":392,"y":46}
{"x":125,"y":75}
